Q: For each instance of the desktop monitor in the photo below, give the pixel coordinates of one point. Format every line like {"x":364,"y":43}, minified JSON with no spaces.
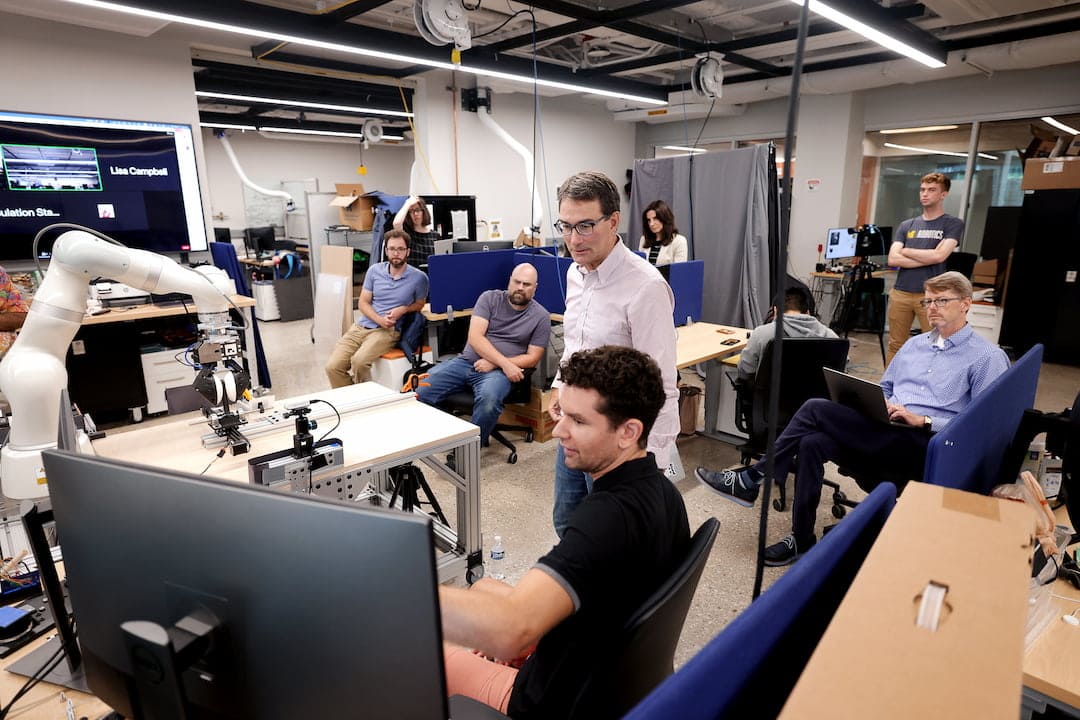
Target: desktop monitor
{"x":319,"y":608}
{"x":223,"y":235}
{"x":464,"y":246}
{"x":259,"y":240}
{"x":839,"y":243}
{"x":135,"y":181}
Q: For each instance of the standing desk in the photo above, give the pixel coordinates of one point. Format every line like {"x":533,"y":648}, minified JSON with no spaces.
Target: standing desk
{"x":702,"y":342}
{"x":1052,"y":664}
{"x":380,"y":429}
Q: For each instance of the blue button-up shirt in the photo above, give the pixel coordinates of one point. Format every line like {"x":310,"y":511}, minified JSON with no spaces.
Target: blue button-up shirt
{"x":938,"y":379}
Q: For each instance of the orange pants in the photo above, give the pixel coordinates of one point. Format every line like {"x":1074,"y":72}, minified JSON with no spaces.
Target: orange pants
{"x":476,"y":677}
{"x":903,"y":309}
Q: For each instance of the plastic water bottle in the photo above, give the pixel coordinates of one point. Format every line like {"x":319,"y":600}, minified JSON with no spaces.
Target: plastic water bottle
{"x":495,"y":565}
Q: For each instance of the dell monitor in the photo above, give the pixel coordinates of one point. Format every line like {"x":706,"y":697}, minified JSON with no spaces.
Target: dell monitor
{"x":135,"y":181}
{"x":839,"y":243}
{"x":279,"y":605}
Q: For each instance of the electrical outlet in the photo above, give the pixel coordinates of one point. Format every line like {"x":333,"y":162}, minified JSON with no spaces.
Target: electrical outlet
{"x":78,"y":347}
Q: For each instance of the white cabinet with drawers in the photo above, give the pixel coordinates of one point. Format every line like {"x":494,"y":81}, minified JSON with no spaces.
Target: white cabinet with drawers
{"x":162,"y":370}
{"x":985,"y":320}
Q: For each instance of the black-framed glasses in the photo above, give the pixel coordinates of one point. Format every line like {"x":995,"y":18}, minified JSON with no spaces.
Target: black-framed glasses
{"x":937,"y":302}
{"x":584,"y":228}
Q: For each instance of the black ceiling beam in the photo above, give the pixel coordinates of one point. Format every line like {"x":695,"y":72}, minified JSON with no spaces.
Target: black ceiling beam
{"x":689,"y":46}
{"x":880,"y":18}
{"x":277,"y":20}
{"x":307,"y":83}
{"x":343,"y":66}
{"x":584,"y":24}
{"x":250,"y":118}
{"x":351,"y":10}
{"x":1057,"y":27}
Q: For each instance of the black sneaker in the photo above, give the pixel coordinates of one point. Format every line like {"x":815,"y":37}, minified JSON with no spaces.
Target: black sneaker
{"x":785,"y":552}
{"x":736,"y":486}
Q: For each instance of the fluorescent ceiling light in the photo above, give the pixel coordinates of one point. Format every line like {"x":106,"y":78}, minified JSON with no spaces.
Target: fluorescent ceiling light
{"x":683,"y":149}
{"x":1060,"y":125}
{"x":227,"y":126}
{"x":886,"y":41}
{"x":301,"y":103}
{"x":928,"y":151}
{"x":299,"y":131}
{"x":925,"y":128}
{"x":355,"y":50}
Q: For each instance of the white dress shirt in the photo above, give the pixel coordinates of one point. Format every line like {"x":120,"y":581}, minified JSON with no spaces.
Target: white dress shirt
{"x":626,"y":302}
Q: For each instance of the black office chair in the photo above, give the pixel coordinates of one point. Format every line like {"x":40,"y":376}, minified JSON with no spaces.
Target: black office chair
{"x":646,"y":656}
{"x":962,"y":262}
{"x":461,"y":403}
{"x":801,"y":379}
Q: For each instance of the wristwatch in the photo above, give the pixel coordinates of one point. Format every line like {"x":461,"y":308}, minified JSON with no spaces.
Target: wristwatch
{"x":928,"y":423}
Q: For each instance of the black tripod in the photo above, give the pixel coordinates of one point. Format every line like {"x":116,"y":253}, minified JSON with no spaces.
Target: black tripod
{"x":863,"y":305}
{"x":408,"y":482}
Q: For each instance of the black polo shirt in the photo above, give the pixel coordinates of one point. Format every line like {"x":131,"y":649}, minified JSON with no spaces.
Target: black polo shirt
{"x":623,"y":541}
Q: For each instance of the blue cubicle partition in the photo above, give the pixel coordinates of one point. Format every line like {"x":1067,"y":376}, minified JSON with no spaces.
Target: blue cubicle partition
{"x":750,"y":668}
{"x":457,"y":280}
{"x":687,"y":281}
{"x":550,"y":278}
{"x":967,"y":454}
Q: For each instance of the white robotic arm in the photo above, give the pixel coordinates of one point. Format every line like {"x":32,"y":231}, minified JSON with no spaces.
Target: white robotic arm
{"x":32,"y":373}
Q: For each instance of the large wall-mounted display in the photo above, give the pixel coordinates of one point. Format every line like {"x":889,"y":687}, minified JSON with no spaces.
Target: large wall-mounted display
{"x":136,"y":182}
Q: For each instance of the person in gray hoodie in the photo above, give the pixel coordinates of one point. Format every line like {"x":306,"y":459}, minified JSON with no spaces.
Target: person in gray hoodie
{"x":798,"y":322}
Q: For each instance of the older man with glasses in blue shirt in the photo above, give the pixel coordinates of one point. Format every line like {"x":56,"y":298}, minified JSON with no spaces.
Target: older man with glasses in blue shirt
{"x":933,"y":377}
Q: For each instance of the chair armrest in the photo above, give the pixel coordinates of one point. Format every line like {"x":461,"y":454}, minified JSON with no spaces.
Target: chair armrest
{"x":465,"y":708}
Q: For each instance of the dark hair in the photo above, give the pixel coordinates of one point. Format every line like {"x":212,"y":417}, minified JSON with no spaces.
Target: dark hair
{"x":666,"y":218}
{"x":795,"y":298}
{"x":936,"y":179}
{"x":590,"y":185}
{"x":400,"y":234}
{"x":628,"y":381}
{"x":408,"y":216}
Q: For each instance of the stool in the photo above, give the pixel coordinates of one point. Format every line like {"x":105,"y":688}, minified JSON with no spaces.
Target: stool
{"x":390,"y":367}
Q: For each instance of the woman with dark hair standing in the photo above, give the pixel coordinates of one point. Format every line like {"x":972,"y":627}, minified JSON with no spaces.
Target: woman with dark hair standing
{"x":415,"y":219}
{"x":661,"y":239}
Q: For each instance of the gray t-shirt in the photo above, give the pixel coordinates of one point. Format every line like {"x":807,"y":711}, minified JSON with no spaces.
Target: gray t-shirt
{"x":925,"y":235}
{"x":510,"y":331}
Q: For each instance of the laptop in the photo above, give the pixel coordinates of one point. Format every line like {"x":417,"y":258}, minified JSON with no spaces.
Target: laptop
{"x":862,"y":395}
{"x":443,"y":247}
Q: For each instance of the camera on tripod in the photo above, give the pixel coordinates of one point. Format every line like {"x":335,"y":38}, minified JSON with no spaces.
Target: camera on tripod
{"x":869,"y":240}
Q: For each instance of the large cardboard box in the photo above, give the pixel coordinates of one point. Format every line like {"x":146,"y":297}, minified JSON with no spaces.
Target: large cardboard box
{"x":985,"y":272}
{"x":1060,"y":173}
{"x":875,"y":662}
{"x":355,"y":209}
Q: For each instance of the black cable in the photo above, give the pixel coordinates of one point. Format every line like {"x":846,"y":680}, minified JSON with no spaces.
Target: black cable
{"x":336,"y":424}
{"x":220,"y":454}
{"x":781,"y":275}
{"x":48,"y":666}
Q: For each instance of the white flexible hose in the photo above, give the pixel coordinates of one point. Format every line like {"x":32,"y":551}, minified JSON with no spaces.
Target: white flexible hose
{"x":537,"y":213}
{"x":244,"y":178}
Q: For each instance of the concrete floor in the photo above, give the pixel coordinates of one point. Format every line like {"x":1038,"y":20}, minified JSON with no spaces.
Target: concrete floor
{"x":516,"y":499}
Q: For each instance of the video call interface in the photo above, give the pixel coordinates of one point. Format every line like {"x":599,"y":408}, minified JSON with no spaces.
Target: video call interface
{"x":135,"y":182}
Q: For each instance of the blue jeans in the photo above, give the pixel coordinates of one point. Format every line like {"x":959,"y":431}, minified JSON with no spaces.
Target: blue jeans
{"x":489,"y":390}
{"x":571,"y":487}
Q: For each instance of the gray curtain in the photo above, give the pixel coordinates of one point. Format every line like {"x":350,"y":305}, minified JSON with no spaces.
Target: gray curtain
{"x":730,"y":228}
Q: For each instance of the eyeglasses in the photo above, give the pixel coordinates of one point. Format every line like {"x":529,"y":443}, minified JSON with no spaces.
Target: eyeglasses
{"x":936,"y":302}
{"x":397,"y":250}
{"x":583,"y":229}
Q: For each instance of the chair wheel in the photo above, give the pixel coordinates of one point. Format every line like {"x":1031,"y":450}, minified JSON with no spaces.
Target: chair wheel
{"x":474,"y":573}
{"x":513,"y":457}
{"x":779,"y":505}
{"x":838,"y":511}
{"x":528,"y":436}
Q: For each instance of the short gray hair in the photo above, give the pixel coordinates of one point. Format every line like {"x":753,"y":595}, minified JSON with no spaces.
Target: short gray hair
{"x":949,"y":281}
{"x":589,"y":185}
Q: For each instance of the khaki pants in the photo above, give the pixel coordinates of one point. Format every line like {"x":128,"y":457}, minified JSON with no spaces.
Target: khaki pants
{"x":355,"y":351}
{"x":903,"y":309}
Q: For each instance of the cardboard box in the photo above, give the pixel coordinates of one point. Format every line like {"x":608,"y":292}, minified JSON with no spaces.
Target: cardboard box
{"x":355,"y":209}
{"x":1060,"y":173}
{"x":526,"y":238}
{"x":985,"y":272}
{"x":874,"y":662}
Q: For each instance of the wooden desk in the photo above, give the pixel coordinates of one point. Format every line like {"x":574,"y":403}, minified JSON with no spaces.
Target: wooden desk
{"x":382,"y":429}
{"x":1052,"y":664}
{"x":702,"y":342}
{"x":152,"y":312}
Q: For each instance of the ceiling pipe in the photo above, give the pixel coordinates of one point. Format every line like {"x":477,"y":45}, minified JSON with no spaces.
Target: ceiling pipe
{"x":289,"y":202}
{"x":485,"y":119}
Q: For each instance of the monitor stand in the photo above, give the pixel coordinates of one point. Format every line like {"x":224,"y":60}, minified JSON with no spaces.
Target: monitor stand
{"x":32,"y":663}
